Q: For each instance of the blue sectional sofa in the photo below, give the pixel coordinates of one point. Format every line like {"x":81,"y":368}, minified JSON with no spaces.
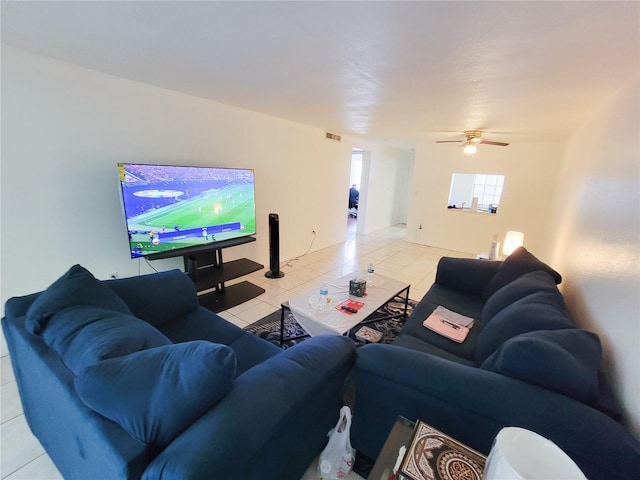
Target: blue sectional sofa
{"x":524,"y":363}
{"x":131,"y":378}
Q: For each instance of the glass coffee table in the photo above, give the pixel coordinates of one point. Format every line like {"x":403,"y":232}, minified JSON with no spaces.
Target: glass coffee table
{"x":319,"y":316}
{"x":400,"y":436}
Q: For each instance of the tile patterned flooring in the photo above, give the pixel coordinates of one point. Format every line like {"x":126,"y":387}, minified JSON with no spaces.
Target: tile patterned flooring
{"x":23,"y":458}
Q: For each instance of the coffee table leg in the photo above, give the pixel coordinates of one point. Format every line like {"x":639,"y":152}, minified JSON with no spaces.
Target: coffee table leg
{"x":406,"y":303}
{"x":282,"y":307}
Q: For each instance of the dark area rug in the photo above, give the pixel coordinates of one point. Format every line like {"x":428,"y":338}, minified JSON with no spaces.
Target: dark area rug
{"x":269,"y":326}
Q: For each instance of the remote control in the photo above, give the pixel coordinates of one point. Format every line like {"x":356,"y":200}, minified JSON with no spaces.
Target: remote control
{"x":349,"y":309}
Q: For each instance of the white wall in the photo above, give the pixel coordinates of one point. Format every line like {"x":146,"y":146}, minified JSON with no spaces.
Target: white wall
{"x":530,"y":170}
{"x":598,"y":247}
{"x":64,"y":128}
{"x":461,"y":190}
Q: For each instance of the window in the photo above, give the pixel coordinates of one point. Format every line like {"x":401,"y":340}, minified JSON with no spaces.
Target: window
{"x":479,"y":192}
{"x":487,"y":188}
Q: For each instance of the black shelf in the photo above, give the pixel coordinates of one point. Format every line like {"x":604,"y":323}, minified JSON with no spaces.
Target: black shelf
{"x":209,"y":274}
{"x":232,"y":295}
{"x":203,"y":249}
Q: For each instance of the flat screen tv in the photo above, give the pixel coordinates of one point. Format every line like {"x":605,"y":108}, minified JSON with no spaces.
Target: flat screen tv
{"x":173,"y":210}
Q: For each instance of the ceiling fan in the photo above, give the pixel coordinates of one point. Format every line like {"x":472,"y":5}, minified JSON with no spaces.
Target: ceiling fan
{"x":473,"y":138}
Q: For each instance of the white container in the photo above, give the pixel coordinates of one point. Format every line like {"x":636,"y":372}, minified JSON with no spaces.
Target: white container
{"x":493,"y":251}
{"x":520,"y":454}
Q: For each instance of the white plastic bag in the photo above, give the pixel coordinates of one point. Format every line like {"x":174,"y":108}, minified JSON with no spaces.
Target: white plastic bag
{"x":336,"y":460}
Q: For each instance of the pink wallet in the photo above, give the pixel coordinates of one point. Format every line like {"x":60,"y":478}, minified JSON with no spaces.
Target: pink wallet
{"x":452,"y":331}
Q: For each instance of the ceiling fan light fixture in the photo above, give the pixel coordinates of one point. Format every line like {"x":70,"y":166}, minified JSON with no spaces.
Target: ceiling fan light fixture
{"x":473,"y":136}
{"x":472,"y":139}
{"x":470,"y":149}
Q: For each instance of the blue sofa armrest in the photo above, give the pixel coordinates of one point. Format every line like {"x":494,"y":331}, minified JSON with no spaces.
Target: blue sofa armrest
{"x":272,"y":424}
{"x":81,"y":443}
{"x":468,"y":275}
{"x":472,"y":405}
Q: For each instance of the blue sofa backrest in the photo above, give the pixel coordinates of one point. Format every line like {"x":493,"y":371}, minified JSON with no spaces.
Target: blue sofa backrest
{"x":157,"y":298}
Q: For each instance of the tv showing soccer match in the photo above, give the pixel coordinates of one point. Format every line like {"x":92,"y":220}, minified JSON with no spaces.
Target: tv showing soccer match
{"x":171,"y":210}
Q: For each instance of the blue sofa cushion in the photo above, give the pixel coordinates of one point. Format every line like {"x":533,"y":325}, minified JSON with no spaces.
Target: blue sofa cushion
{"x":521,"y":261}
{"x":156,"y":394}
{"x":521,"y":287}
{"x":538,"y":311}
{"x":566,"y":361}
{"x":76,"y":287}
{"x":467,"y":275}
{"x":157,"y":298}
{"x":455,"y":300}
{"x":83,"y":336}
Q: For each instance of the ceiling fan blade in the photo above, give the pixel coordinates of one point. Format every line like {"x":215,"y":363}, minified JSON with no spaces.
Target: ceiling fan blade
{"x":449,"y":141}
{"x":489,"y":142}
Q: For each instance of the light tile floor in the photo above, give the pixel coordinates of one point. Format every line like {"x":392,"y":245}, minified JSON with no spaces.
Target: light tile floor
{"x":23,"y":458}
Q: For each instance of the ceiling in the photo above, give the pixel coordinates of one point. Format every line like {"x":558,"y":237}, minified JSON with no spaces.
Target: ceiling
{"x":396,"y":72}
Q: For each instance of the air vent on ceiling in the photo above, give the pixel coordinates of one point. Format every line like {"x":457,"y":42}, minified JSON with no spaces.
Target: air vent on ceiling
{"x":333,"y":136}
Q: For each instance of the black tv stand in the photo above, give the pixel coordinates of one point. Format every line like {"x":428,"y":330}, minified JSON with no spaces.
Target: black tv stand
{"x":209,"y":274}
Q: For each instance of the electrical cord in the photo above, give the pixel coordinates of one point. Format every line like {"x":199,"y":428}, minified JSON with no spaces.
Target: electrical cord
{"x":288,"y":262}
{"x":148,"y":263}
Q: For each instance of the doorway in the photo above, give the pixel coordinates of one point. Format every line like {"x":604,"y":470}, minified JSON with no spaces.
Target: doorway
{"x":355,"y":187}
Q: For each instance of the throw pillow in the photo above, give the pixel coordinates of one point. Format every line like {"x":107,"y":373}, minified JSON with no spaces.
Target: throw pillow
{"x":521,"y":287}
{"x":156,"y":394}
{"x":83,"y":336}
{"x":566,"y":361}
{"x":538,"y":311}
{"x":76,"y":287}
{"x":521,"y":261}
